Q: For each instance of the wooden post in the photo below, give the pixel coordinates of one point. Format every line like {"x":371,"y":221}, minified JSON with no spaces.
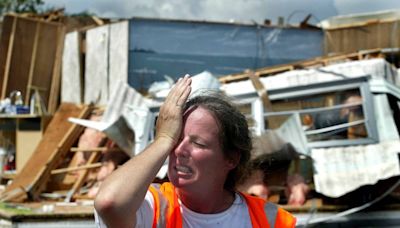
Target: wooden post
{"x":262,"y":92}
{"x":96,"y":149}
{"x":32,"y":64}
{"x":76,"y":168}
{"x":55,"y":83}
{"x":9,"y":56}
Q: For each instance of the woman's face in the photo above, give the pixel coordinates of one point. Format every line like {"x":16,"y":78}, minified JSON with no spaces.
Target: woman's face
{"x":198,"y":162}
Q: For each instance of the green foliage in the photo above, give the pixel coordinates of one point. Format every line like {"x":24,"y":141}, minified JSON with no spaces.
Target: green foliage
{"x":82,"y":14}
{"x":20,"y":6}
{"x":14,"y":208}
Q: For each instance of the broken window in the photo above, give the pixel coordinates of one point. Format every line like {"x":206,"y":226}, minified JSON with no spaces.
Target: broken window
{"x":332,"y":114}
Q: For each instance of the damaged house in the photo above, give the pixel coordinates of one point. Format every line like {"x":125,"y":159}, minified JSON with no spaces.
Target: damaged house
{"x":344,"y":117}
{"x":340,"y":113}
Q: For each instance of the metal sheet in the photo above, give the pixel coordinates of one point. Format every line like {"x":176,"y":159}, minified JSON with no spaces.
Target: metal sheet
{"x":384,"y":118}
{"x":343,"y":169}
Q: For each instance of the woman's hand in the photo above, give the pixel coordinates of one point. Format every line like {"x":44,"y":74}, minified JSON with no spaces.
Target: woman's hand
{"x":169,"y":122}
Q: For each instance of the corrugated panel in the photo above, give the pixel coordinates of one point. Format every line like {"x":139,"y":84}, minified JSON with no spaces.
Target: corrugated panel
{"x":341,"y":170}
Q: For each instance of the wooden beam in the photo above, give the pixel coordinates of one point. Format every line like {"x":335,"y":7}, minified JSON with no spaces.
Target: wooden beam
{"x":32,"y":64}
{"x":97,"y":149}
{"x":8,"y":58}
{"x":17,"y":193}
{"x":71,"y":169}
{"x":56,"y":79}
{"x":66,"y":142}
{"x":314,"y":62}
{"x":98,"y":21}
{"x":261,"y":91}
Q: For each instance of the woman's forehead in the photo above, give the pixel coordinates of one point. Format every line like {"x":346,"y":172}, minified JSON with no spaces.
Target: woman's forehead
{"x":199,"y":113}
{"x":201,"y":117}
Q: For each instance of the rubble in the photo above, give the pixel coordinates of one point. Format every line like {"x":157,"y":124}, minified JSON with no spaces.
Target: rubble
{"x":339,"y":113}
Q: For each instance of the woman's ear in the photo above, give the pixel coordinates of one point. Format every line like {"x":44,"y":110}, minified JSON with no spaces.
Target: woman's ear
{"x":233,"y":160}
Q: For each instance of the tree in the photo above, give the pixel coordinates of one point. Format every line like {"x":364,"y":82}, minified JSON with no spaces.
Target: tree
{"x":20,"y":6}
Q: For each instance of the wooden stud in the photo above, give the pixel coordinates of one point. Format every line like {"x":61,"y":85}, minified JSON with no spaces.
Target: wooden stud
{"x":76,"y":168}
{"x":56,"y":79}
{"x":9,"y":56}
{"x":98,"y":149}
{"x":32,"y":64}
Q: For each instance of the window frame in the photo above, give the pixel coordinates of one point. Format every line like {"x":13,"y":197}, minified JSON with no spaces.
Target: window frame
{"x":360,"y":83}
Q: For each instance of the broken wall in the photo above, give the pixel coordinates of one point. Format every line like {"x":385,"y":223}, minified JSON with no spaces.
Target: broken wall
{"x":355,"y":37}
{"x":30,"y":57}
{"x":93,"y":61}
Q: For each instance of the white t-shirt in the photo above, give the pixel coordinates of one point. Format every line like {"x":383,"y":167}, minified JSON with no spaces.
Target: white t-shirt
{"x":235,"y":216}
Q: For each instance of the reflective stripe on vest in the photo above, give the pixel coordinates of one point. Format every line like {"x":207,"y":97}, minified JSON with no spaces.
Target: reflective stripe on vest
{"x":160,"y":207}
{"x":262,"y":215}
{"x":271,"y":210}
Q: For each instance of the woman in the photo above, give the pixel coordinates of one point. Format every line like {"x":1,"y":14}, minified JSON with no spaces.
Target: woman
{"x":208,"y":144}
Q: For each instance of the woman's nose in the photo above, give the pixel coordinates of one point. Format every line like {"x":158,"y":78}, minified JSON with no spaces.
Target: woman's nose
{"x":182,"y":149}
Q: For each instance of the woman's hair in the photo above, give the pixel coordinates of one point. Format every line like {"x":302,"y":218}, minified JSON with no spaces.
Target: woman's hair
{"x":234,"y":134}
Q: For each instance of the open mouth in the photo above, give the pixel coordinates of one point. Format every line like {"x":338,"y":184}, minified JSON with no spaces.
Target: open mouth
{"x":181,"y":169}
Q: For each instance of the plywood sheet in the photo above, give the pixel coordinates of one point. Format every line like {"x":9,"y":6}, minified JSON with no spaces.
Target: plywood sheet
{"x":21,"y":56}
{"x":44,"y":60}
{"x":27,"y":141}
{"x":71,"y":84}
{"x":96,"y":66}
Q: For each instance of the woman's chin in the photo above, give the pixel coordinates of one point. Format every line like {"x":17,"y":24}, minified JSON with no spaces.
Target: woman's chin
{"x":180,"y":182}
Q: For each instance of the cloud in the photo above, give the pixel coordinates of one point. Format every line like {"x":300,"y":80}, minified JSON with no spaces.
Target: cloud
{"x":210,"y":10}
{"x":363,"y":6}
{"x":294,"y":11}
{"x":225,"y":10}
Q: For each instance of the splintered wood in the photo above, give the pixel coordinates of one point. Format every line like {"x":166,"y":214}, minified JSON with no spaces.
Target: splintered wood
{"x":57,"y":140}
{"x":309,"y":63}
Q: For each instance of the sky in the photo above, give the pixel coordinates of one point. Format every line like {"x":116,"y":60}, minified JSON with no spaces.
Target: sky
{"x":246,"y":11}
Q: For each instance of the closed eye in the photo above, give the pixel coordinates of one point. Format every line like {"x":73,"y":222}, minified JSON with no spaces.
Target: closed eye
{"x":198,"y":141}
{"x":199,"y":144}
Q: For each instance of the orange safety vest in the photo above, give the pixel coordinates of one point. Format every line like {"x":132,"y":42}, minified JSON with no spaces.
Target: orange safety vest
{"x":167,"y":211}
